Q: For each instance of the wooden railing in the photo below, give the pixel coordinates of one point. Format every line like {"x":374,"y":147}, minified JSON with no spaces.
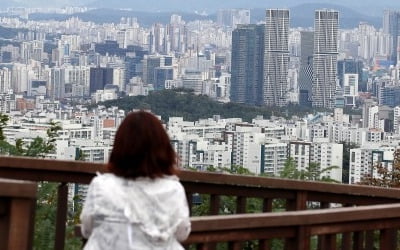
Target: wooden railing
{"x":346,"y":228}
{"x":17,"y":206}
{"x":211,"y":188}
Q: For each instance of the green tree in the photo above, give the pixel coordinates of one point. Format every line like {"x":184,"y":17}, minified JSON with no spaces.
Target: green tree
{"x":182,"y":102}
{"x":3,"y":123}
{"x":313,"y":172}
{"x":289,"y":170}
{"x":385,"y":177}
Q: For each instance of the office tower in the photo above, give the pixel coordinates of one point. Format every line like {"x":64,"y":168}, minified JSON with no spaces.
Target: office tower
{"x":162,"y":74}
{"x":100,"y":77}
{"x":151,"y":63}
{"x":349,"y":66}
{"x":192,"y":80}
{"x":276,"y":57}
{"x":306,"y":64}
{"x":388,"y":95}
{"x":391,"y":26}
{"x":247,"y":64}
{"x":325,"y":58}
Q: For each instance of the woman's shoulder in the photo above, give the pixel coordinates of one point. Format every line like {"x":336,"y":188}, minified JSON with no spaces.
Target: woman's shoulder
{"x":110,"y":178}
{"x":102,"y":178}
{"x":172,"y":181}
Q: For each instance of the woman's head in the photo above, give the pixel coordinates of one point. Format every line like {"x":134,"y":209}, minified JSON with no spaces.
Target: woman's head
{"x":142,"y":148}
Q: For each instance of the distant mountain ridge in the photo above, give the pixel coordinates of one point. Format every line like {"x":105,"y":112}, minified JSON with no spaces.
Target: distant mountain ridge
{"x":366,"y":6}
{"x":301,"y":16}
{"x":114,"y":16}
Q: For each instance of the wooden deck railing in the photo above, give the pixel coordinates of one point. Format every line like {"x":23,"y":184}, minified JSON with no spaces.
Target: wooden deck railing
{"x":17,"y":206}
{"x":292,"y":195}
{"x":339,"y":228}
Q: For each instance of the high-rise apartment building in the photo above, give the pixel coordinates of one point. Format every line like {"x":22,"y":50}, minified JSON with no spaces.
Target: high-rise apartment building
{"x":276,"y":57}
{"x":306,"y":65}
{"x":391,"y":26}
{"x":350,"y":89}
{"x":325,"y":58}
{"x":56,"y":83}
{"x":233,"y":17}
{"x":247,"y":64}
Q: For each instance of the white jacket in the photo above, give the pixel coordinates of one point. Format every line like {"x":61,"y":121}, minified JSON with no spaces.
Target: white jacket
{"x":135,"y":214}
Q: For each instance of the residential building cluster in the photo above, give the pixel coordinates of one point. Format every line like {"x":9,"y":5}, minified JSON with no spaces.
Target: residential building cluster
{"x":267,"y":64}
{"x":263,"y":146}
{"x":52,"y":69}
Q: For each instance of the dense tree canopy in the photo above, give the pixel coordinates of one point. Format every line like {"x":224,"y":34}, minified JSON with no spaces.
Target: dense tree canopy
{"x":184,"y":103}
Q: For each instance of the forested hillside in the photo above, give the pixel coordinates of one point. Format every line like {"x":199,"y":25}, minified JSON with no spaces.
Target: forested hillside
{"x":191,"y":107}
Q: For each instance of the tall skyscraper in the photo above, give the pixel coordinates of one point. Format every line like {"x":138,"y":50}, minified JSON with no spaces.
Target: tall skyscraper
{"x":391,"y":26}
{"x":276,"y":57}
{"x":233,"y":17}
{"x":306,"y":65}
{"x":100,"y":77}
{"x":247,"y":64}
{"x":325,"y":58}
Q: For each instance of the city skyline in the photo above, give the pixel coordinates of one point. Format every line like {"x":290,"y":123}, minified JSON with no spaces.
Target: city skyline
{"x":241,"y":91}
{"x":55,"y":69}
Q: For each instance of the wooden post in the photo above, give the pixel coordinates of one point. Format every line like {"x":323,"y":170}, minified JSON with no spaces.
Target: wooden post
{"x":61,"y":219}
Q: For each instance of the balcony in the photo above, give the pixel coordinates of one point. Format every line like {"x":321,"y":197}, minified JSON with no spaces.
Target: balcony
{"x":309,"y":215}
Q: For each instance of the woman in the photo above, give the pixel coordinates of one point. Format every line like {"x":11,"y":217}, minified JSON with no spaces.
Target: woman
{"x":140,"y":204}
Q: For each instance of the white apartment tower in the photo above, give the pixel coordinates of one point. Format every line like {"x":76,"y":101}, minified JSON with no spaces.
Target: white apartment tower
{"x":5,"y":80}
{"x":276,"y":57}
{"x":325,"y":58}
{"x":350,"y":89}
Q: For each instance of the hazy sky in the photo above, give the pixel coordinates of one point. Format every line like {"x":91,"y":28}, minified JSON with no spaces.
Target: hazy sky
{"x":372,"y":7}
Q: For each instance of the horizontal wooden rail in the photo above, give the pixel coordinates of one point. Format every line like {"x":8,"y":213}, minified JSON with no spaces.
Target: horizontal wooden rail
{"x":249,"y":186}
{"x":298,"y":226}
{"x":287,"y":225}
{"x":295,"y":218}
